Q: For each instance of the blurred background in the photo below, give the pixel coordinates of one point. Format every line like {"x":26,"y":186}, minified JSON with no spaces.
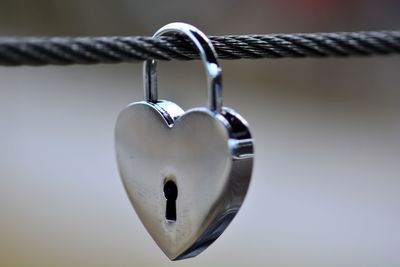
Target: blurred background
{"x":325,"y":189}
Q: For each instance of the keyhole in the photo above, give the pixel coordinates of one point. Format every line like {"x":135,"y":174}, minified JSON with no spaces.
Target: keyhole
{"x":171,"y":194}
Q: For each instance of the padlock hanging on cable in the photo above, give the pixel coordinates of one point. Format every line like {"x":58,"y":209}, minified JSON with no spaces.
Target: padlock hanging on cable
{"x":186,"y":173}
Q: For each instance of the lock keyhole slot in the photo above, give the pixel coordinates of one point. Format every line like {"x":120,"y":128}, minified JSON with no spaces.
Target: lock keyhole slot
{"x":171,"y":194}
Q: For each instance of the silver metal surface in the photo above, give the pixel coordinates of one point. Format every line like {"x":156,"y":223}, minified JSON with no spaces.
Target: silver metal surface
{"x":198,"y":151}
{"x":207,"y":54}
{"x":207,"y":154}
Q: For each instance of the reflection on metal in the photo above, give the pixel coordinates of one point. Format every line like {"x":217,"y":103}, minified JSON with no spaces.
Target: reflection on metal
{"x":186,"y":173}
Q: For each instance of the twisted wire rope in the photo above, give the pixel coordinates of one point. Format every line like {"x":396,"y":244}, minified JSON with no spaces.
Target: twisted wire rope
{"x":34,"y":51}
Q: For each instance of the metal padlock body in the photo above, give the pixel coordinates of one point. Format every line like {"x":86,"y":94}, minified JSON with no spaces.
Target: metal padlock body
{"x":207,"y":154}
{"x":186,"y":173}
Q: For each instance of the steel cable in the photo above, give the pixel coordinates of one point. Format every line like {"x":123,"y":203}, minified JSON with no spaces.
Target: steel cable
{"x":17,"y":51}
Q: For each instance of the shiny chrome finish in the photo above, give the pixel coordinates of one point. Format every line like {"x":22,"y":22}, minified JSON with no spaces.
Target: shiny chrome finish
{"x":207,"y":54}
{"x":206,"y":155}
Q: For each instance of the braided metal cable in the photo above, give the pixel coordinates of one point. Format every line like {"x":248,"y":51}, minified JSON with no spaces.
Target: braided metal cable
{"x":90,"y":50}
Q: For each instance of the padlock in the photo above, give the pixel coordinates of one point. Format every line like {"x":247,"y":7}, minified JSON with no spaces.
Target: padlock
{"x":186,"y":173}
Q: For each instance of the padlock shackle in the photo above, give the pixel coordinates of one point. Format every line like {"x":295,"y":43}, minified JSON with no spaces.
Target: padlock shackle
{"x":207,"y":54}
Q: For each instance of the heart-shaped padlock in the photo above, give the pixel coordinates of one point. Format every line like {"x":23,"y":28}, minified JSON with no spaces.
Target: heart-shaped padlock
{"x":186,"y":173}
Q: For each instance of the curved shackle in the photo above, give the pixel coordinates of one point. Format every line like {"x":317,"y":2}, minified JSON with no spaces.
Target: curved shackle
{"x":207,"y":54}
